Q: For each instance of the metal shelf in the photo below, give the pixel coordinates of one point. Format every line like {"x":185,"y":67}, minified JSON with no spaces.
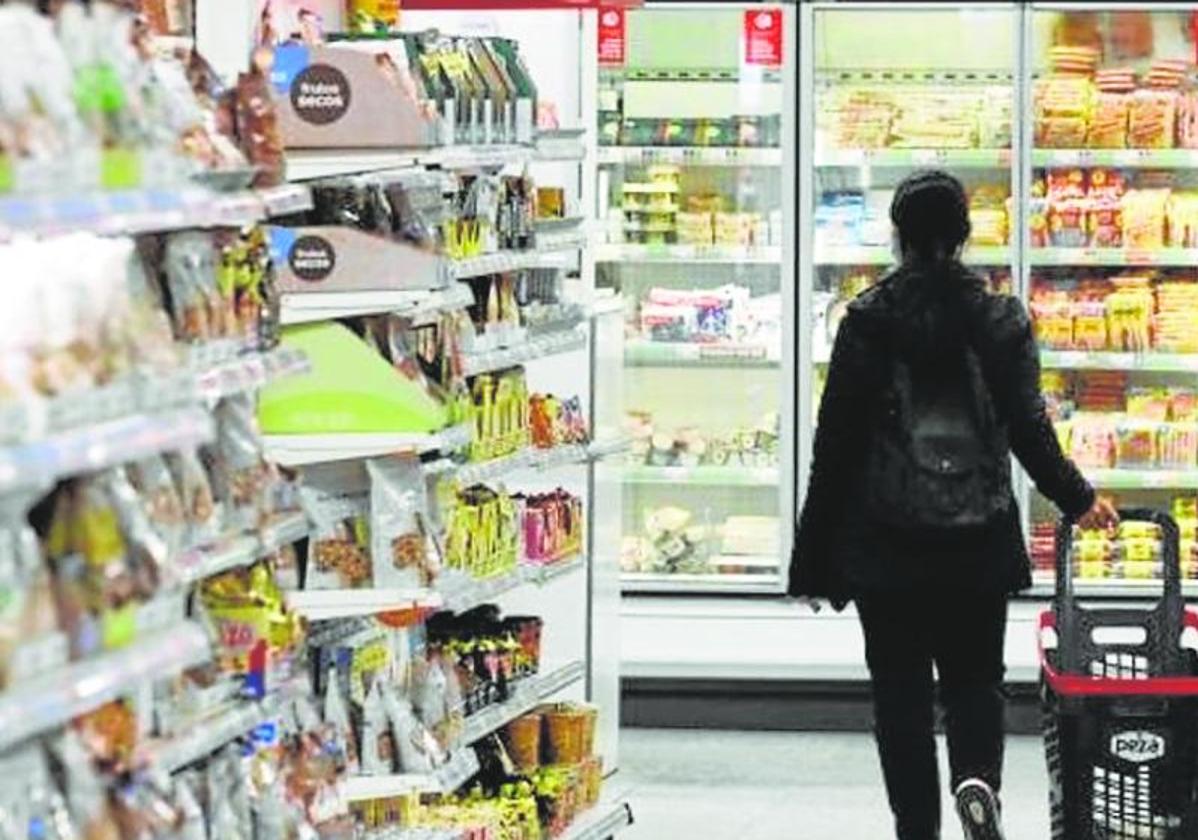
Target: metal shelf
{"x":309,"y":165}
{"x":40,"y":463}
{"x":145,"y":210}
{"x":505,"y":261}
{"x":527,"y":695}
{"x":204,"y":737}
{"x":703,"y":476}
{"x":198,"y":564}
{"x":640,"y":353}
{"x":903,"y":158}
{"x":309,"y":307}
{"x":605,"y":820}
{"x":697,"y":254}
{"x":689,"y":156}
{"x":700,"y":584}
{"x":883,"y":255}
{"x":445,"y":780}
{"x":1044,"y":586}
{"x":327,"y":604}
{"x":1127,"y":479}
{"x":1114,"y":360}
{"x":537,"y":347}
{"x":1147,"y":158}
{"x":50,"y":700}
{"x":301,"y":450}
{"x":250,"y":371}
{"x":1112,"y":256}
{"x":526,"y":459}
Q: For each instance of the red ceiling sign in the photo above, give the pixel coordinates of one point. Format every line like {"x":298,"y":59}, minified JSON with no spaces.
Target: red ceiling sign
{"x":613,"y":37}
{"x":763,"y":37}
{"x":506,"y":5}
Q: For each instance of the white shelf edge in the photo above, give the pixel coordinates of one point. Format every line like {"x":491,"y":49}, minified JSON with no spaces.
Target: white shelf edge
{"x":628,"y":252}
{"x":242,"y":550}
{"x":309,"y":307}
{"x":766,"y":156}
{"x":529,"y":693}
{"x":537,"y":347}
{"x":606,"y":819}
{"x":55,"y":698}
{"x":302,"y":450}
{"x":527,"y":459}
{"x":703,"y":476}
{"x":650,"y":583}
{"x":40,"y":462}
{"x":326,"y":604}
{"x":446,"y":779}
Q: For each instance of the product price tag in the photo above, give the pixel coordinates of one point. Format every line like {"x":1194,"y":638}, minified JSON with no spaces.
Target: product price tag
{"x":1140,"y":257}
{"x":928,"y":157}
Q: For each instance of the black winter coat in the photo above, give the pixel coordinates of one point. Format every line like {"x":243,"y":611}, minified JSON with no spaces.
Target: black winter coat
{"x":923,"y":313}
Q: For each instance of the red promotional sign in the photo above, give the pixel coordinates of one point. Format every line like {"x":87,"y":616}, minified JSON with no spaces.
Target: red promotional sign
{"x":763,"y":37}
{"x":613,"y":40}
{"x":514,"y":5}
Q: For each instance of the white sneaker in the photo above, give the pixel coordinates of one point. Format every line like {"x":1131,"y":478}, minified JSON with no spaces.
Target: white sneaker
{"x":977,"y":806}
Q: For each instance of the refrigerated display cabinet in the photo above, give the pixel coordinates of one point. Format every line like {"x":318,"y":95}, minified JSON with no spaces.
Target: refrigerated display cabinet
{"x":696,"y":224}
{"x":1075,"y":129}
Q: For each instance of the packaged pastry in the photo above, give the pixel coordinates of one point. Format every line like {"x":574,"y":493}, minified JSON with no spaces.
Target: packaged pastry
{"x":196,"y":305}
{"x":258,"y":122}
{"x":1152,"y":119}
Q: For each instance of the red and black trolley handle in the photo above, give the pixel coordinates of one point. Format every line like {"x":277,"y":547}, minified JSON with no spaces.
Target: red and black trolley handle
{"x":1159,"y":653}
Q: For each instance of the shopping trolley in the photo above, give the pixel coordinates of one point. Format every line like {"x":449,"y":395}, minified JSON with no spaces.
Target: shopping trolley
{"x":1121,"y":708}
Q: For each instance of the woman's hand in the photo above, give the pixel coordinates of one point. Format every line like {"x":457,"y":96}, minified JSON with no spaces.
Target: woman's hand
{"x":1101,"y":516}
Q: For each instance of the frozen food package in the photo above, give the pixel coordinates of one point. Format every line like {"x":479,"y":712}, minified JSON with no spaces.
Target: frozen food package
{"x":399,"y":542}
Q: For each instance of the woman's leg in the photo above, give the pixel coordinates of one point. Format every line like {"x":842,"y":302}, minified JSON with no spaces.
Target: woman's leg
{"x":900,"y":661}
{"x":969,"y":658}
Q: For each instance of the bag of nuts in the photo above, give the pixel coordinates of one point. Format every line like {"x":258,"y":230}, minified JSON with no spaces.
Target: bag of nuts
{"x":398,"y":517}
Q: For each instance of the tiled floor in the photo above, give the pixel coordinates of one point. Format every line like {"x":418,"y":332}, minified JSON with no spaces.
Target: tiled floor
{"x":709,"y":785}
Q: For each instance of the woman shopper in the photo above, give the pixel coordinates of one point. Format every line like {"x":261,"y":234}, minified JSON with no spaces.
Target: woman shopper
{"x":910,"y":513}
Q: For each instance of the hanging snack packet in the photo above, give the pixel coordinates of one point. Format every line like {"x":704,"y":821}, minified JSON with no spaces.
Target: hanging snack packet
{"x":190,"y":264}
{"x":148,"y":552}
{"x":338,"y":502}
{"x":418,"y":750}
{"x":236,"y":463}
{"x":399,"y":543}
{"x":378,"y":741}
{"x":204,"y":520}
{"x":27,"y":612}
{"x":336,"y":716}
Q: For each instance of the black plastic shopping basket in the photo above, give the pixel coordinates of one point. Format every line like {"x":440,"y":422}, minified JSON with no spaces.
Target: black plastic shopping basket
{"x":1121,"y":708}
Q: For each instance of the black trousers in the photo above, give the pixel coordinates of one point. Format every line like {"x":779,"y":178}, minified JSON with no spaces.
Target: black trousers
{"x":963,"y":636}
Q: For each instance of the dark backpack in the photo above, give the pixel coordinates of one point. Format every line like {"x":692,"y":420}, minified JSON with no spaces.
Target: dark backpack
{"x":939,"y":459}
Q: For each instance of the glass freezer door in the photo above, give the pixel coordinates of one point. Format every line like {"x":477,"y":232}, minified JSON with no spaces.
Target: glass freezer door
{"x":1112,"y":285}
{"x":697,"y":216}
{"x":898,"y":88}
